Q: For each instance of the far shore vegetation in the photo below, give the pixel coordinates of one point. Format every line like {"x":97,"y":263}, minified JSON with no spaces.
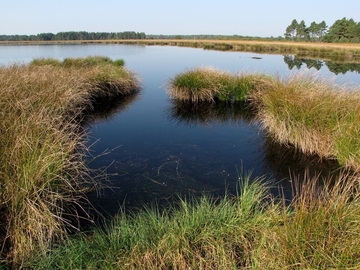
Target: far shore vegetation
{"x":348,"y":52}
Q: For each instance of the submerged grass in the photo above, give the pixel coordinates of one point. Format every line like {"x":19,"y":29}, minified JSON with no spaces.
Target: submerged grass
{"x":318,"y":230}
{"x":41,"y":143}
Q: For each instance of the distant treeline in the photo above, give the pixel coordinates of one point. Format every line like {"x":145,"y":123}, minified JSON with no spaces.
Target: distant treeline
{"x":72,"y":35}
{"x":343,"y":30}
{"x":217,"y":37}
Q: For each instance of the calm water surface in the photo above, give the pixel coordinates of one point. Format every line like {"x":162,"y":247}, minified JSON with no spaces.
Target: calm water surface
{"x":154,"y":149}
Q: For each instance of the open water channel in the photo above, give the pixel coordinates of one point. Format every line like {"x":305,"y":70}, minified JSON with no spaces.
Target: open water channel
{"x":154,"y":150}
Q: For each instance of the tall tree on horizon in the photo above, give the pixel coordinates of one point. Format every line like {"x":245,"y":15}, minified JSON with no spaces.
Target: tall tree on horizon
{"x":302,"y":32}
{"x":343,"y":30}
{"x":291,"y":30}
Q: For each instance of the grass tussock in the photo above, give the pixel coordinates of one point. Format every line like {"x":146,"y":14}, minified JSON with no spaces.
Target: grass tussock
{"x":41,"y":163}
{"x":318,"y":230}
{"x":208,"y":84}
{"x":313,"y":114}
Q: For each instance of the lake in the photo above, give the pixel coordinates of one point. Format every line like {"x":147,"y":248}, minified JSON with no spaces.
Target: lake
{"x":154,"y":150}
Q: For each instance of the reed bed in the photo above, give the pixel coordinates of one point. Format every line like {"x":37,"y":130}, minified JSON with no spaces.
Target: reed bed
{"x":42,"y":171}
{"x":318,"y":230}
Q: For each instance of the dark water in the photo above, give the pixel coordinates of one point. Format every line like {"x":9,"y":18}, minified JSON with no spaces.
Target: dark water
{"x":155,"y":149}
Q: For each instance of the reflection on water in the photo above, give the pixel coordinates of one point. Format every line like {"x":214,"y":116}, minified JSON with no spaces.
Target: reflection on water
{"x":207,"y":113}
{"x":335,"y":67}
{"x":286,"y":158}
{"x":105,"y":108}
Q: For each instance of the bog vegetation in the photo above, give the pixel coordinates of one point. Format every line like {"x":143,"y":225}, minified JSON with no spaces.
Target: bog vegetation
{"x":317,"y":230}
{"x":42,"y":171}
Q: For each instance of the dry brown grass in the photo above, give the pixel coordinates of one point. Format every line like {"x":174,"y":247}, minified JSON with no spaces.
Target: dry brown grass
{"x":313,"y":114}
{"x":41,"y":146}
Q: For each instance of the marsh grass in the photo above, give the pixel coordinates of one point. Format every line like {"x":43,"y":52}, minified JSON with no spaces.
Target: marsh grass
{"x":318,"y":229}
{"x":42,"y":145}
{"x":207,"y":84}
{"x":313,"y":114}
{"x":205,"y":233}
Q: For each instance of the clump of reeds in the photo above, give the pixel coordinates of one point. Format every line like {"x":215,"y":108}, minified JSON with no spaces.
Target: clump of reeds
{"x":208,"y":84}
{"x":89,"y":61}
{"x":318,"y":230}
{"x":313,"y":114}
{"x":41,"y":146}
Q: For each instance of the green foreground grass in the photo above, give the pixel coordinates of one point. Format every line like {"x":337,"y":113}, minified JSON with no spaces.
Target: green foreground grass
{"x":42,"y":170}
{"x":309,"y":112}
{"x":318,"y":230}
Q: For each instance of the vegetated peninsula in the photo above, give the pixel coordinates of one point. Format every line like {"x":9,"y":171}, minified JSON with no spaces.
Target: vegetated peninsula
{"x":42,"y":168}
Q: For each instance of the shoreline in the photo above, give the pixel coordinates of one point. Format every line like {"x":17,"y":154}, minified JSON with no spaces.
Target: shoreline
{"x":328,"y":51}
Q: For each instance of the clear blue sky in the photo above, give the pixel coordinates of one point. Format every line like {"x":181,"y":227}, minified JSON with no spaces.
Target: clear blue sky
{"x":187,"y":17}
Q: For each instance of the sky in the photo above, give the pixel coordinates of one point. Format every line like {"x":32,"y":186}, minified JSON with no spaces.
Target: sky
{"x":261,"y":18}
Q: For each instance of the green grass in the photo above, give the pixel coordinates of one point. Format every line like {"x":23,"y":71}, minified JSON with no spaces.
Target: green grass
{"x":208,"y":84}
{"x":199,"y":234}
{"x":317,"y":230}
{"x":41,"y":144}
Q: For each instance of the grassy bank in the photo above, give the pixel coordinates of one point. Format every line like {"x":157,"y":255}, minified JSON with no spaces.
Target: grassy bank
{"x":314,"y":115}
{"x":42,"y":171}
{"x":306,"y":111}
{"x":317,"y":230}
{"x":328,"y":51}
